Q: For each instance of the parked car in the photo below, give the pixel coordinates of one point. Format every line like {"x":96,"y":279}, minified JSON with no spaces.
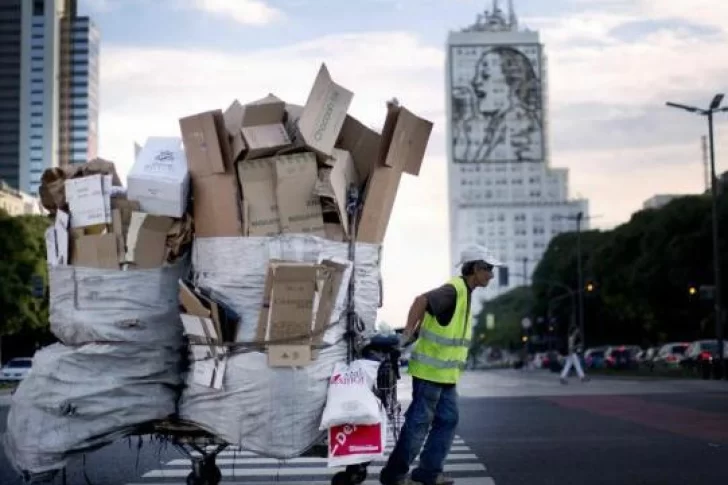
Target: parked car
{"x":594,"y":357}
{"x":646,"y":358}
{"x":16,"y":369}
{"x":700,"y":355}
{"x":670,"y":355}
{"x":622,"y":357}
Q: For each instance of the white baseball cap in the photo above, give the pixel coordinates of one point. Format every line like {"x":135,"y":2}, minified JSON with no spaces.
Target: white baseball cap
{"x":478,"y":253}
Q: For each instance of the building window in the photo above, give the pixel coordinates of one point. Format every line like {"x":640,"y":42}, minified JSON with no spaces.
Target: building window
{"x":38,"y":8}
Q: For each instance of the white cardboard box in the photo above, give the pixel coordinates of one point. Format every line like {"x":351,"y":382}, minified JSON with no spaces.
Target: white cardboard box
{"x":87,"y":201}
{"x":159,"y":179}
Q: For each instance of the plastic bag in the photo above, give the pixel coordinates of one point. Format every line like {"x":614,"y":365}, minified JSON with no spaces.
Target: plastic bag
{"x":350,"y":399}
{"x":351,"y":444}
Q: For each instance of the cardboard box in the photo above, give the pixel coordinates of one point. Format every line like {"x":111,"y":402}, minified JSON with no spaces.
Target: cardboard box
{"x":404,"y":141}
{"x":256,"y":129}
{"x":146,"y":241}
{"x":87,"y":201}
{"x":278,"y":196}
{"x":323,"y":115}
{"x":216,"y":206}
{"x":97,"y":251}
{"x":298,"y":206}
{"x":334,"y":183}
{"x":159,"y":179}
{"x":289,"y":355}
{"x":260,"y":206}
{"x":206,"y":144}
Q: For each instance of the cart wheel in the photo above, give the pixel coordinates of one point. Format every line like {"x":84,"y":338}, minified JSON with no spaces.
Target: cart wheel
{"x":341,"y":478}
{"x":209,"y":474}
{"x":357,"y":474}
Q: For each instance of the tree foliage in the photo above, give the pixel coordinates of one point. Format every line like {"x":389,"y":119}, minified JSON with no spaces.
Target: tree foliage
{"x":641,"y":273}
{"x":22,"y":246}
{"x":508,"y":310}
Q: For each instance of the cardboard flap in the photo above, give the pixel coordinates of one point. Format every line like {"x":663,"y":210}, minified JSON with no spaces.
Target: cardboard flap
{"x":97,"y":251}
{"x":324,"y":113}
{"x":363,"y":143}
{"x":189,"y":301}
{"x":266,"y":111}
{"x":408,"y":143}
{"x":206,"y":144}
{"x":147,"y":240}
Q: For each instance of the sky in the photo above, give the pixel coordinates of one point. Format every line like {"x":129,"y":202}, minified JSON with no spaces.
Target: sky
{"x":612,"y":66}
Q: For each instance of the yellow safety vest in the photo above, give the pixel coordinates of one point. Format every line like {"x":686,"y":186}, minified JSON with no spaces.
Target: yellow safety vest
{"x":441,"y":352}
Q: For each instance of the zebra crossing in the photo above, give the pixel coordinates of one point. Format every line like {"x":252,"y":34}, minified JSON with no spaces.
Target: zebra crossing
{"x":243,"y":467}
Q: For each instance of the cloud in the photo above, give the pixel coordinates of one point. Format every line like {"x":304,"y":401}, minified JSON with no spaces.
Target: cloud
{"x":608,"y":120}
{"x":247,"y":12}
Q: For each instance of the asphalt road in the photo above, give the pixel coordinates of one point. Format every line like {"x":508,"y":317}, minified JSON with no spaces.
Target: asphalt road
{"x":517,"y":428}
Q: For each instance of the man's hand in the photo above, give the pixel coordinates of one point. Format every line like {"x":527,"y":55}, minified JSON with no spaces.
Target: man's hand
{"x":404,"y":339}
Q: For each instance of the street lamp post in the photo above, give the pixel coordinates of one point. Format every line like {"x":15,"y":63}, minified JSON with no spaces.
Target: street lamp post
{"x":712,"y":109}
{"x":579,"y":217}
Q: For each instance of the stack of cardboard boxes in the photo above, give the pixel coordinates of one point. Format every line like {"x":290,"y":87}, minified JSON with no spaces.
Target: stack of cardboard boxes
{"x":268,"y":168}
{"x":99,"y":224}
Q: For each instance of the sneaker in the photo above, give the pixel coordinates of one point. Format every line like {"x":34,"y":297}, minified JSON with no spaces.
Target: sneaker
{"x":563,"y":381}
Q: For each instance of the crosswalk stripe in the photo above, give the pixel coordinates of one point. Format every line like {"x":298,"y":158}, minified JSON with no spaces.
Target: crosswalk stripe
{"x":374,"y":481}
{"x":296,"y":471}
{"x":243,"y":454}
{"x":225,"y":461}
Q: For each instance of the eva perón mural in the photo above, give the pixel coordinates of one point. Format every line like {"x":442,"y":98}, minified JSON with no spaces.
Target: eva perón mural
{"x":496,"y":104}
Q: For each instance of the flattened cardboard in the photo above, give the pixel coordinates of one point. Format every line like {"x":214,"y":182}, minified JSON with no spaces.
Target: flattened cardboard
{"x":51,"y":246}
{"x":206,"y":143}
{"x":62,"y":238}
{"x":341,"y":177}
{"x":292,"y":298}
{"x":409,"y":137}
{"x":363,"y":143}
{"x":257,"y":180}
{"x":323,"y":115}
{"x":289,"y":355}
{"x":299,"y":207}
{"x":264,"y":140}
{"x":334,"y":232}
{"x":148,"y":249}
{"x":408,"y":143}
{"x":216,"y":206}
{"x":328,"y":294}
{"x":98,"y":251}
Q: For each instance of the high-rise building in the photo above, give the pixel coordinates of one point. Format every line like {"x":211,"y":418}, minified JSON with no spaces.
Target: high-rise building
{"x":79,"y":87}
{"x":32,"y":101}
{"x":502,"y":191}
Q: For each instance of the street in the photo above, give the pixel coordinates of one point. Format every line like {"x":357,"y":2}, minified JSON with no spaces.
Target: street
{"x":516,"y":428}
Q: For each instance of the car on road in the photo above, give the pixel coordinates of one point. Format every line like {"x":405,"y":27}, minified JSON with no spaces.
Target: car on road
{"x":700,"y":356}
{"x":670,"y":355}
{"x":594,"y":357}
{"x":16,"y":369}
{"x":622,"y":357}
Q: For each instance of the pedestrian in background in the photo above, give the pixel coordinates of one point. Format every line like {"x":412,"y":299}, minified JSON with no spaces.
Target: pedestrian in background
{"x":572,"y":360}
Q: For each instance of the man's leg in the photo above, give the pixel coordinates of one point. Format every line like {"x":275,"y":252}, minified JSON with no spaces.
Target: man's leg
{"x":577,"y":365}
{"x":567,"y":367}
{"x":439,"y":441}
{"x":417,"y":421}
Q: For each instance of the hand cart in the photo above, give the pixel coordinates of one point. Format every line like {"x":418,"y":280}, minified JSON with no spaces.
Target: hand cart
{"x":203,"y":448}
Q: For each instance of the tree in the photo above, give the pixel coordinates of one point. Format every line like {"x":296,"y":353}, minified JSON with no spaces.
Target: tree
{"x":22,"y":245}
{"x":508,"y":310}
{"x":642,"y":271}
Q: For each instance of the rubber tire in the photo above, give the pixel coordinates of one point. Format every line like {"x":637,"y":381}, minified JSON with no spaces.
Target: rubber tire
{"x":342,"y":478}
{"x":357,"y":474}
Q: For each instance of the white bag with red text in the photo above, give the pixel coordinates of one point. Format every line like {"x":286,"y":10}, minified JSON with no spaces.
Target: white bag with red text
{"x":351,"y":444}
{"x":350,"y":396}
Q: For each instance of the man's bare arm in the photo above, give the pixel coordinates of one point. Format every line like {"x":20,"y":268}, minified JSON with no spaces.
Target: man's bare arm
{"x":415,"y":317}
